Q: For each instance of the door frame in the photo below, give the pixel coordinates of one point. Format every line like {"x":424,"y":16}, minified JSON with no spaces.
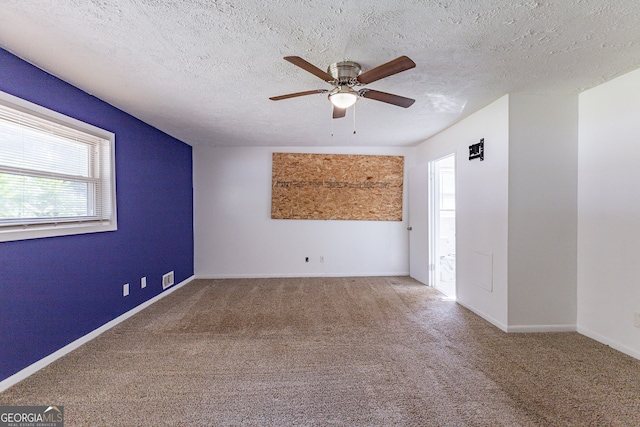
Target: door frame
{"x":434,"y":216}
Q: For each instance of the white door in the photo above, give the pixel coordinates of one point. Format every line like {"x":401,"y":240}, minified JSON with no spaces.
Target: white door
{"x":419,"y":223}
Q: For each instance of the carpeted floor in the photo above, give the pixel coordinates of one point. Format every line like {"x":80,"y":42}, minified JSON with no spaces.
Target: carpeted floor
{"x":382,"y":351}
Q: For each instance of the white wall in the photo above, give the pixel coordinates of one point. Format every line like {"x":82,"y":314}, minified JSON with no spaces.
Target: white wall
{"x":236,"y":237}
{"x":609,"y":213}
{"x":516,"y":210}
{"x":500,"y":211}
{"x":543,"y":188}
{"x":481,"y":205}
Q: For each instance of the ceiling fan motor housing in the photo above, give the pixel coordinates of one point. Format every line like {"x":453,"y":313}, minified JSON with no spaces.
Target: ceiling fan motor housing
{"x":345,"y":72}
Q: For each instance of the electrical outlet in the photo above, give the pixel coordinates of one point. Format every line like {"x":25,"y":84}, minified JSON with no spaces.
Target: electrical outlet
{"x":143,"y":282}
{"x":167,"y":280}
{"x":125,"y":290}
{"x":636,"y":319}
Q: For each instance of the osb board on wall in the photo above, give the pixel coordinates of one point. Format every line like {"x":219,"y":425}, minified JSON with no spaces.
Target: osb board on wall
{"x":337,"y":186}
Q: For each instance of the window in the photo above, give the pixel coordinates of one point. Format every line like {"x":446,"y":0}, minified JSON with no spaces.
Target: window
{"x":56,"y":173}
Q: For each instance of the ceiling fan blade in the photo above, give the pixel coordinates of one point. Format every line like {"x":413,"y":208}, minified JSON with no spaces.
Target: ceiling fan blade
{"x":293,"y":95}
{"x":296,"y":60}
{"x":339,"y":113}
{"x":396,"y":66}
{"x":389,"y":98}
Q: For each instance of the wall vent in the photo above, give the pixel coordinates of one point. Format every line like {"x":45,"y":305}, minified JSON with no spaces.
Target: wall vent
{"x":167,"y":280}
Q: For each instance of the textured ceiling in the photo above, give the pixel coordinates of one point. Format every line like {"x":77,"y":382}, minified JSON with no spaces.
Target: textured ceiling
{"x":203,"y":70}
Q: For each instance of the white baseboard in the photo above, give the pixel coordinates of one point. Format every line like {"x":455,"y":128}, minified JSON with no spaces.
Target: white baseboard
{"x":295,"y":275}
{"x":607,"y":341}
{"x":485,"y":316}
{"x":35,"y":367}
{"x":518,"y":328}
{"x":541,"y":328}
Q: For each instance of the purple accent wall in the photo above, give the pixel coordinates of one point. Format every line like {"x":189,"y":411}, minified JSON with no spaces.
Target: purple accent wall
{"x":55,"y":290}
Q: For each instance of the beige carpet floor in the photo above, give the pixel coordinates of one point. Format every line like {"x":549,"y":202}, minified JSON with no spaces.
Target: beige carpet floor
{"x":384,"y":351}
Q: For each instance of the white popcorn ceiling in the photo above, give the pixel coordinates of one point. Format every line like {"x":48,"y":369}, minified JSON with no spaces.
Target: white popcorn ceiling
{"x":203,"y":70}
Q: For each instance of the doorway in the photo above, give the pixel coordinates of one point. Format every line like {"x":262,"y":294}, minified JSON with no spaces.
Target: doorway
{"x":442,"y":225}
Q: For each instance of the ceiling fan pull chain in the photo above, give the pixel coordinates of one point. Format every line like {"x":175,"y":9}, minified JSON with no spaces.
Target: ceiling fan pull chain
{"x":331,"y":119}
{"x":354,"y":119}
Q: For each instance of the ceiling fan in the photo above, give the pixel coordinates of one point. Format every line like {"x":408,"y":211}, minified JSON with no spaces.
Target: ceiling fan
{"x":346,"y":75}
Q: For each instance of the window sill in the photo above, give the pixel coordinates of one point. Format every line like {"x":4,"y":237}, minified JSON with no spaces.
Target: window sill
{"x":61,"y":229}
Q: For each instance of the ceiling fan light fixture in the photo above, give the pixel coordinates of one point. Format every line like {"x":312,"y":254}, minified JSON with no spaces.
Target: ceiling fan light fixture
{"x":343,"y":97}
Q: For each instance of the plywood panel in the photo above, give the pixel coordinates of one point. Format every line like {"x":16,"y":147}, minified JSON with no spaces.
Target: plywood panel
{"x":337,"y":186}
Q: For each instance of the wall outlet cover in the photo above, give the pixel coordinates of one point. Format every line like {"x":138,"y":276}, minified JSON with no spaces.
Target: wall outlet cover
{"x":125,"y":290}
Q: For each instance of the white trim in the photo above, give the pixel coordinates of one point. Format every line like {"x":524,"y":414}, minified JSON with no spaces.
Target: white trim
{"x":35,"y":367}
{"x":486,"y":317}
{"x":49,"y":227}
{"x":541,"y":328}
{"x":519,"y":328}
{"x":609,"y":342}
{"x":60,"y":229}
{"x":294,"y":275}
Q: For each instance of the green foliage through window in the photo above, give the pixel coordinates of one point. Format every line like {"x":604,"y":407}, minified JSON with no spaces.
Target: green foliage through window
{"x":32,"y":197}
